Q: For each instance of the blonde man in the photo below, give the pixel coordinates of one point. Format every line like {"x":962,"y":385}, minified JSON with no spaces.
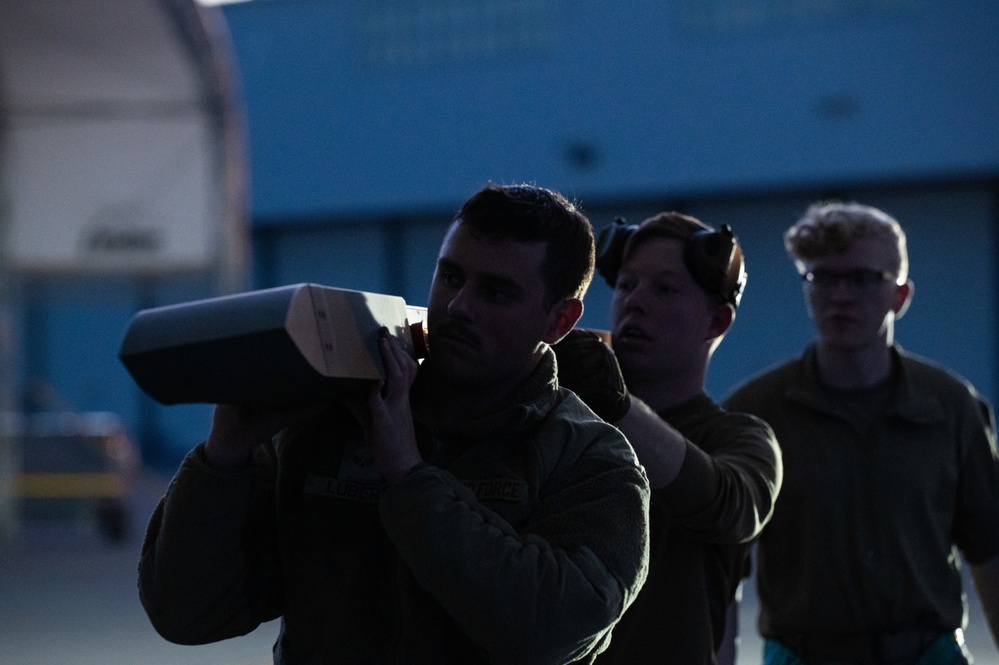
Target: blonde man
{"x":890,"y":467}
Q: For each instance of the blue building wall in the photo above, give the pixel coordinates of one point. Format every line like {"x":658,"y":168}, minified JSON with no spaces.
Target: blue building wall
{"x":952,"y":237}
{"x":361,"y":108}
{"x":370,"y":123}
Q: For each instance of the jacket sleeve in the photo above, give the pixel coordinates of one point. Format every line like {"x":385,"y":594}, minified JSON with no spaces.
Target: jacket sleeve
{"x":976,"y":520}
{"x":726,"y":489}
{"x":201,"y":574}
{"x":548,"y":593}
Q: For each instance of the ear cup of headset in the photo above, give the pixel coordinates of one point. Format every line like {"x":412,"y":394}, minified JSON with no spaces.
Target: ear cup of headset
{"x":610,"y":248}
{"x":715,"y":260}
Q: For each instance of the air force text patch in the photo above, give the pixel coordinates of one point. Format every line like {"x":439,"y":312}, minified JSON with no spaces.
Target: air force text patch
{"x":357,"y":478}
{"x":499,"y":489}
{"x":336,"y":488}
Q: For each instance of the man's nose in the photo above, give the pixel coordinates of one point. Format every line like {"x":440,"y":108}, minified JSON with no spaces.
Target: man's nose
{"x":461,"y":303}
{"x":634,"y":299}
{"x":842,"y":287}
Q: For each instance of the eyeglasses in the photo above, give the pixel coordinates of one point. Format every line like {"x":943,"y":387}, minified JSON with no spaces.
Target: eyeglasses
{"x":860,"y":279}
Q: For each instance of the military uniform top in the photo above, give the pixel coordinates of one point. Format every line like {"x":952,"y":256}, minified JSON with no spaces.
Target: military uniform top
{"x":702,"y":527}
{"x":522,"y":539}
{"x":881,"y":488}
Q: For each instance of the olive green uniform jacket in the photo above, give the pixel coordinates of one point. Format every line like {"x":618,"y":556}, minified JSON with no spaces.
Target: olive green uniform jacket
{"x":876,"y":502}
{"x":703,"y":526}
{"x":522,"y":539}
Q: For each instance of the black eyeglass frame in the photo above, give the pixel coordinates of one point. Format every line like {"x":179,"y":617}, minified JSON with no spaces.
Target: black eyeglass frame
{"x":859,"y":279}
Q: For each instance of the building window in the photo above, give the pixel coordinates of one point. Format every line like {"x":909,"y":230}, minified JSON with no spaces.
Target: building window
{"x":408,"y":34}
{"x":720,"y":16}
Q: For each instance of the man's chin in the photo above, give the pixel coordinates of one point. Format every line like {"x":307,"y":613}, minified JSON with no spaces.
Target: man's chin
{"x":455,"y":369}
{"x":844,"y":342}
{"x":630,"y":354}
{"x":450,"y":347}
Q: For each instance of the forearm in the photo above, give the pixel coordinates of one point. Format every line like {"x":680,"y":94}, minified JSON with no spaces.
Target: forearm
{"x":721,"y":484}
{"x":192,"y":577}
{"x":538,"y":596}
{"x":986,"y":578}
{"x":660,"y":448}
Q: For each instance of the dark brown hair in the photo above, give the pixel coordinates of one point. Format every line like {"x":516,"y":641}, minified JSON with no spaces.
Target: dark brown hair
{"x":528,"y":213}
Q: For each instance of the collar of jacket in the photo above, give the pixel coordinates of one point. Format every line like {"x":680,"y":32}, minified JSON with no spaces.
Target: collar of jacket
{"x":908,"y":401}
{"x":526,"y":408}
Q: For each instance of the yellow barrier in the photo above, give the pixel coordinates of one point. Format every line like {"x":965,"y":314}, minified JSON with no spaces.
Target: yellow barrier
{"x":69,"y":485}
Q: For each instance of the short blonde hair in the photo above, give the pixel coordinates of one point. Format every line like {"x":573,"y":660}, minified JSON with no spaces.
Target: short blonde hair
{"x":832,"y":227}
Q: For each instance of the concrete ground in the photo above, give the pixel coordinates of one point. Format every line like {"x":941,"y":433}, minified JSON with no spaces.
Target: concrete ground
{"x":68,"y":597}
{"x":976,"y":635}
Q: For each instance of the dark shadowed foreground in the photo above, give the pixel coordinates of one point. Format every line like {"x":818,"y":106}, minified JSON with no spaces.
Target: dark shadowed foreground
{"x":69,"y":597}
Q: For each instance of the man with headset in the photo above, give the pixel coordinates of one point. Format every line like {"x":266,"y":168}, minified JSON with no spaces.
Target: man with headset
{"x":714,"y":474}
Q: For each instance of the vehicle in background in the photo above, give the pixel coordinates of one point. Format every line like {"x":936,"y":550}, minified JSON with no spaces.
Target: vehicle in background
{"x":72,"y":465}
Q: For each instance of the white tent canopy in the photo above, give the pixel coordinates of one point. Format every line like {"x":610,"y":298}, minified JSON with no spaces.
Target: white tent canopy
{"x":121,"y":153}
{"x":119,"y":149}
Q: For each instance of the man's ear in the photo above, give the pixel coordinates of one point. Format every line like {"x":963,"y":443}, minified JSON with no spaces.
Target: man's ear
{"x":721,"y":320}
{"x":903,"y":298}
{"x":564,"y":316}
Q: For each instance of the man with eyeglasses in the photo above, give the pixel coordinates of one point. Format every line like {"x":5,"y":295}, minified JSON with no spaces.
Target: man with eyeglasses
{"x":890,"y":468}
